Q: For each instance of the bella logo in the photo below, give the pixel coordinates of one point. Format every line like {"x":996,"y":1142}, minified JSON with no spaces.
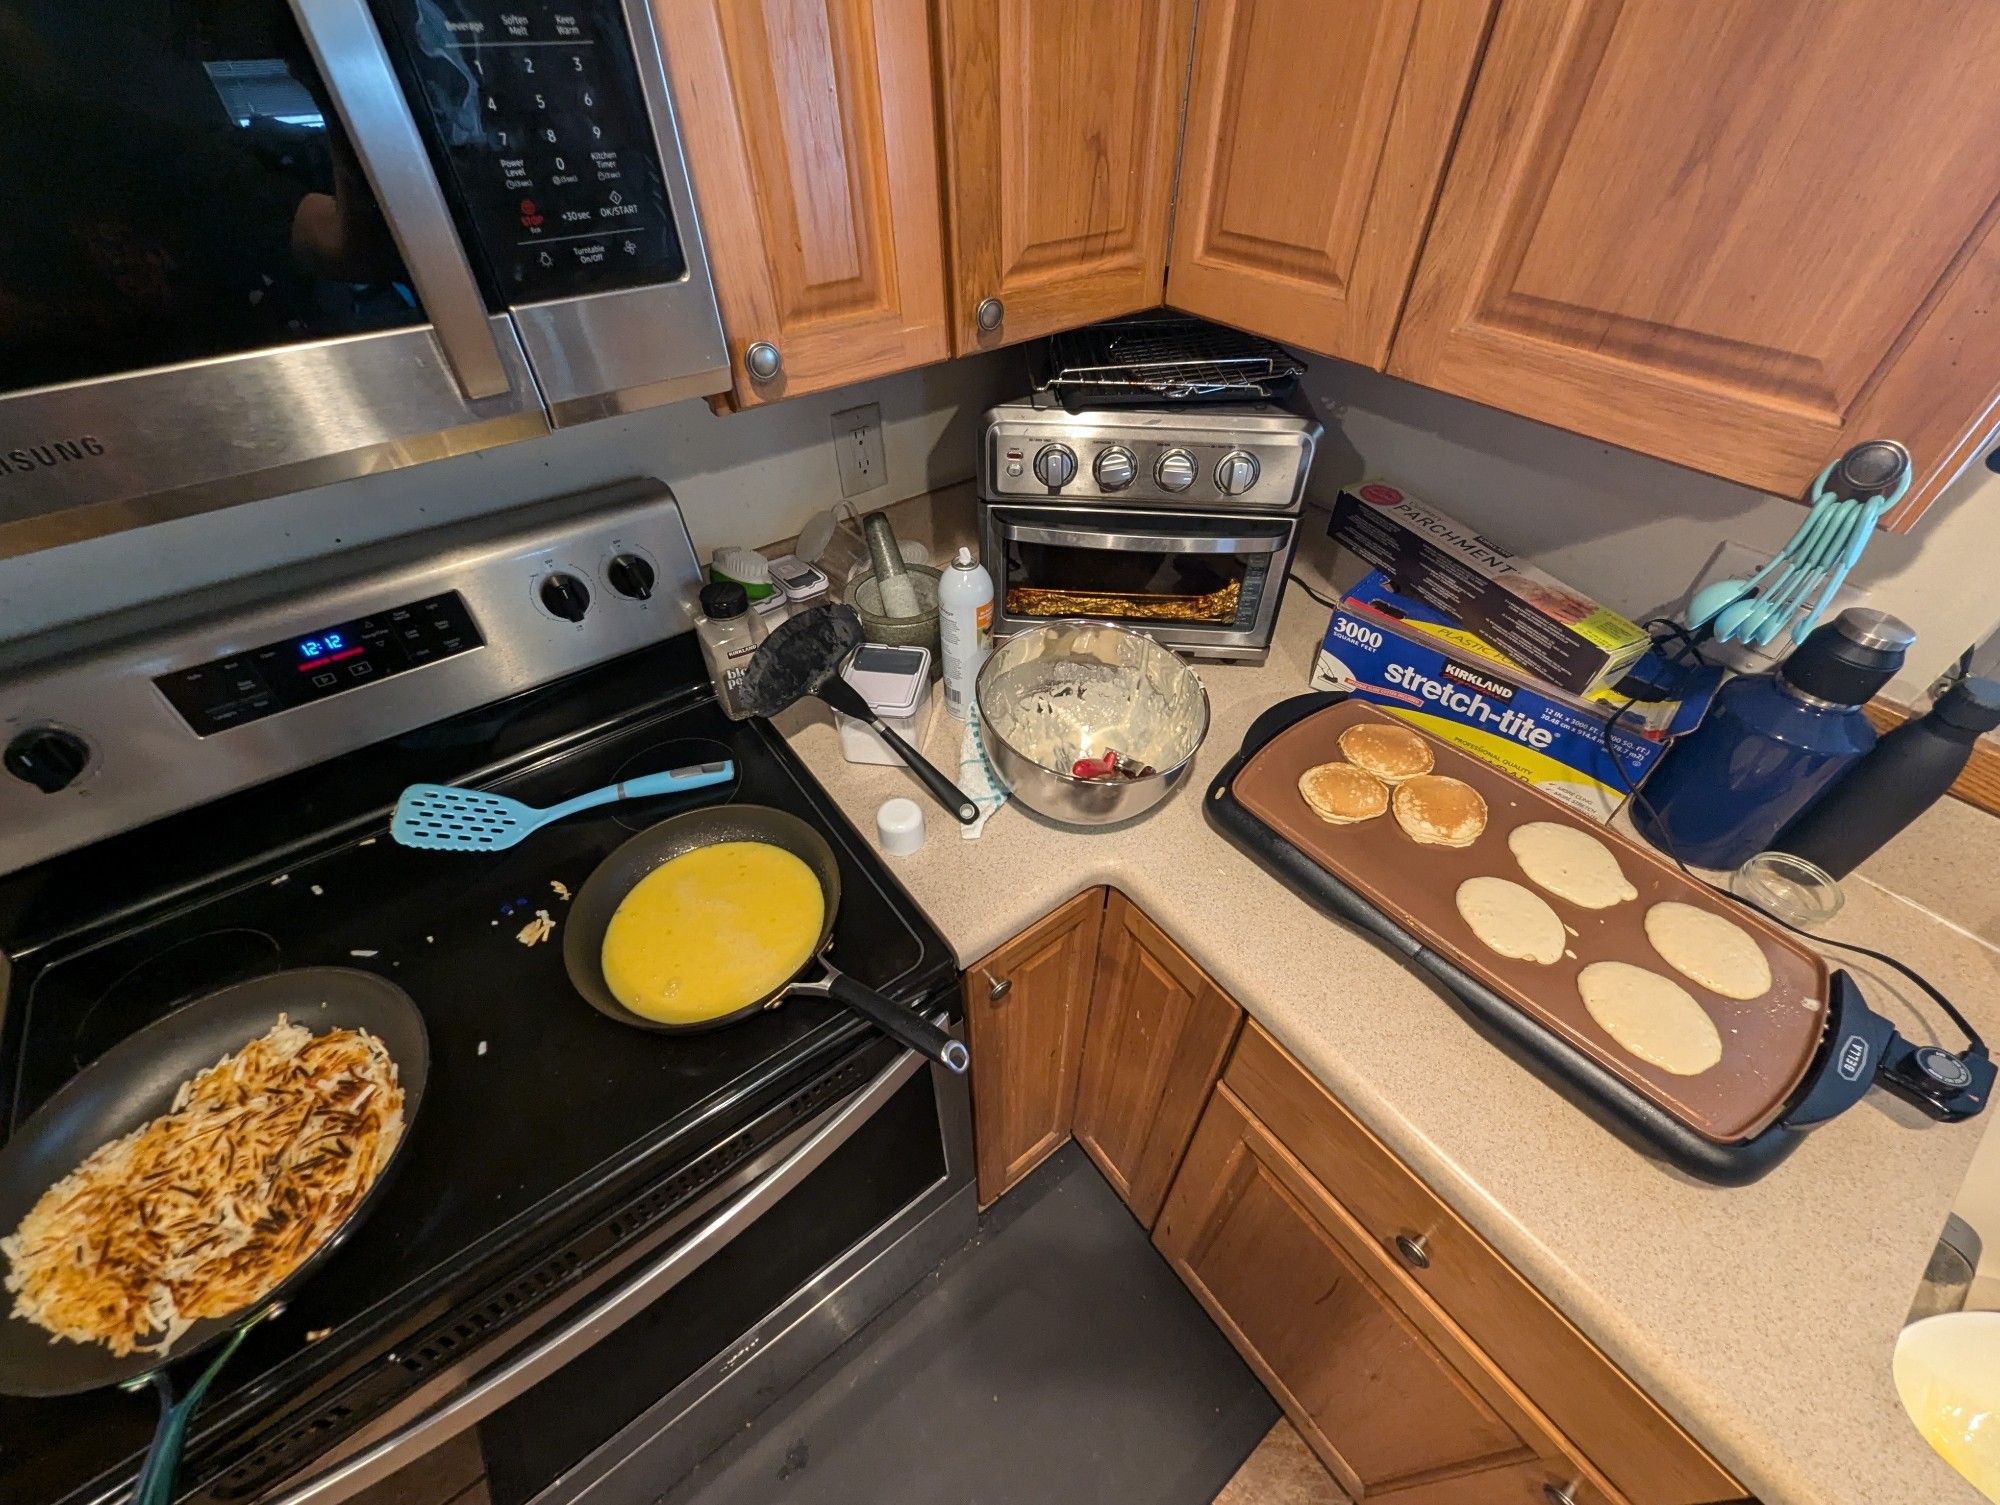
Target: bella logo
{"x":14,"y":462}
{"x":1853,"y":1057}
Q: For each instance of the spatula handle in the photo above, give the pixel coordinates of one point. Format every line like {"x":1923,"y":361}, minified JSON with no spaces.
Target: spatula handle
{"x":948,"y":794}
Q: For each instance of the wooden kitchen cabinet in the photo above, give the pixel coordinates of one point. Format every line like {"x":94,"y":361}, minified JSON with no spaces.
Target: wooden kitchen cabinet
{"x":1158,"y":1035}
{"x":1303,"y":1294}
{"x":811,"y":135}
{"x":1061,"y":122}
{"x":1315,"y":142}
{"x":1025,"y":1006}
{"x":1738,"y":234}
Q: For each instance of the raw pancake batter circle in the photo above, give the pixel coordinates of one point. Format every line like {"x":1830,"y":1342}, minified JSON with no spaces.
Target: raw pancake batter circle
{"x":1511,"y":920}
{"x":1706,"y":948}
{"x":1653,"y":1017}
{"x":1571,"y":864}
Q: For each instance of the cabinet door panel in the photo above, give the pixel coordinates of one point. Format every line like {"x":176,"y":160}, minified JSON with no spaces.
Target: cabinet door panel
{"x":1315,"y":143}
{"x":1379,"y":1404}
{"x":1159,"y":1031}
{"x":811,"y":135}
{"x":1024,"y":1012}
{"x":1798,"y":254}
{"x":1062,"y":119}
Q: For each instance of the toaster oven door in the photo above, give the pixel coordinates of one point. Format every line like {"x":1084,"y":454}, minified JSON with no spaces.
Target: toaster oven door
{"x":1205,"y":583}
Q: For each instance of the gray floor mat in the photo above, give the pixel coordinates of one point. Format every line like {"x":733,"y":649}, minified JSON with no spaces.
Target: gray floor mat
{"x":1054,"y":1361}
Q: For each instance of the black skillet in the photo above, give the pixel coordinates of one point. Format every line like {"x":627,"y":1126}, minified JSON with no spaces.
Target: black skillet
{"x":616,"y":876}
{"x":135,"y":1081}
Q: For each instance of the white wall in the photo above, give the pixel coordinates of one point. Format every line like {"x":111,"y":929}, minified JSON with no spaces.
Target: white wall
{"x":746,"y":478}
{"x":1634,"y":532}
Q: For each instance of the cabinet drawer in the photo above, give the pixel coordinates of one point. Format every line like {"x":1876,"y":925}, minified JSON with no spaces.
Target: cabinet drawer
{"x":1587,"y":1398}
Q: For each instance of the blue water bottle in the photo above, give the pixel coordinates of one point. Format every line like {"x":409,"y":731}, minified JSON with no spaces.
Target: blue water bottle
{"x":1772,"y":743}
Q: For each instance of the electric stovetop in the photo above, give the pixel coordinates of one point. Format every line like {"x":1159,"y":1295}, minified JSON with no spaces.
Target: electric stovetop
{"x":540,"y":1111}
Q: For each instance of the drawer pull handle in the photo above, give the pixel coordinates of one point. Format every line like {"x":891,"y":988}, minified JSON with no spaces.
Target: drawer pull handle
{"x":1559,"y":1494}
{"x":989,"y":314}
{"x":1416,"y":1254}
{"x":997,"y":988}
{"x":763,"y":362}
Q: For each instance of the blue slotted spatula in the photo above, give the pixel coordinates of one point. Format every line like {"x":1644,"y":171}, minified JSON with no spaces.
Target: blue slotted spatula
{"x":446,"y":818}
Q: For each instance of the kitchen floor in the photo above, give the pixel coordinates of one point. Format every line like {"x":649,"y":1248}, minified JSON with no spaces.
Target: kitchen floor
{"x":1056,"y":1359}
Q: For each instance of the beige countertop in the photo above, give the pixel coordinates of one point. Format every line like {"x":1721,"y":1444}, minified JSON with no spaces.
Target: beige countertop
{"x":1761,"y":1317}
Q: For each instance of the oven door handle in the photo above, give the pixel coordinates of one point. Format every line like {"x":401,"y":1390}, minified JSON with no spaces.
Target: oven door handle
{"x":1104,"y":538}
{"x":355,"y":64}
{"x":533,"y":1364}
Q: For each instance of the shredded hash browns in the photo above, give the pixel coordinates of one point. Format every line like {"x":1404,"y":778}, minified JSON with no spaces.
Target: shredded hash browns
{"x":204,"y":1210}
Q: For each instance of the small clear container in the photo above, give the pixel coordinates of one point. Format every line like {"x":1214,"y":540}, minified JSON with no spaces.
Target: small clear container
{"x":1794,"y":890}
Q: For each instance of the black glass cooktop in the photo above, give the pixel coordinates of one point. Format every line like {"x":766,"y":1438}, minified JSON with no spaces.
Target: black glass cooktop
{"x":539,"y":1109}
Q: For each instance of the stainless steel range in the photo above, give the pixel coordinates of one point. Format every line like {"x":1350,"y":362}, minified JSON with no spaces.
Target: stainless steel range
{"x":605,"y":1249}
{"x":1176,"y":520}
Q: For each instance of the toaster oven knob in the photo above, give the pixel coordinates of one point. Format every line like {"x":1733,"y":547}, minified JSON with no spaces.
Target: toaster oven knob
{"x":1055,"y":466}
{"x":1114,"y":468}
{"x":1175,"y":472}
{"x":1236,"y":472}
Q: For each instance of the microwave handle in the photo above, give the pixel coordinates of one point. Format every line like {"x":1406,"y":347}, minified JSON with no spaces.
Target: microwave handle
{"x":376,"y":113}
{"x":1098,"y":538}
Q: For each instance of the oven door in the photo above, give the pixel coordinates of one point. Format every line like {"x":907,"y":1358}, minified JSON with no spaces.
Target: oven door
{"x":1206,"y":583}
{"x":226,"y":270}
{"x":635,"y":1380}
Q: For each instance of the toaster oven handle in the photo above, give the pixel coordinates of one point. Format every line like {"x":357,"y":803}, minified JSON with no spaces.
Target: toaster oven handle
{"x":352,"y":59}
{"x":535,"y":1362}
{"x":1104,"y":538}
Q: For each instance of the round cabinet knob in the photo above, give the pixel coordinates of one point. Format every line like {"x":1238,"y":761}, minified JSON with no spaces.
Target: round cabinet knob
{"x":1175,"y":472}
{"x":1236,"y":472}
{"x":566,"y":596}
{"x":1055,"y":465}
{"x":1559,"y":1494}
{"x":630,"y":576}
{"x":989,"y":314}
{"x":1414,"y":1249}
{"x":762,"y":361}
{"x":47,"y":757}
{"x":1114,"y":468}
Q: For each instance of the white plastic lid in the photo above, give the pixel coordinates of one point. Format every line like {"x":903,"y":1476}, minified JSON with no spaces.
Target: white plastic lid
{"x":899,"y":827}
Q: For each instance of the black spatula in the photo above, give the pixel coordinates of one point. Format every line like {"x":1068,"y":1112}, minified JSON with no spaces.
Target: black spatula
{"x":802,"y":657}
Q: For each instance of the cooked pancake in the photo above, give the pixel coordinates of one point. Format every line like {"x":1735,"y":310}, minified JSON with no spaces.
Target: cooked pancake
{"x":1394,"y":753}
{"x":1440,"y":811}
{"x":1342,"y":794}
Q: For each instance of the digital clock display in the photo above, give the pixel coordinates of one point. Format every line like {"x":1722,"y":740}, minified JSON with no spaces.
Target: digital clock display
{"x":333,"y":646}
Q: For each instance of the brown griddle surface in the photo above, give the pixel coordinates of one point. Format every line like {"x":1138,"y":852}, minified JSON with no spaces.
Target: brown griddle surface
{"x":1767,"y":1043}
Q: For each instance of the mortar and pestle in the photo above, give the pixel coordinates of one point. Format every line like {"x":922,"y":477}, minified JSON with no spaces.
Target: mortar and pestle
{"x":896,"y":602}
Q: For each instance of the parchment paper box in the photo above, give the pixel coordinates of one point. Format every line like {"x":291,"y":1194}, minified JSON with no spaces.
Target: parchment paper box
{"x":1552,"y":631}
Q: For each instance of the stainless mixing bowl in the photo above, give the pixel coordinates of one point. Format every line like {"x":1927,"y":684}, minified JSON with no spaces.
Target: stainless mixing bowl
{"x":1102,"y":686}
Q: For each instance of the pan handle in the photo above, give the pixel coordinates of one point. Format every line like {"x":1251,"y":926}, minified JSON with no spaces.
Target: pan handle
{"x":163,"y":1458}
{"x":897,"y":1022}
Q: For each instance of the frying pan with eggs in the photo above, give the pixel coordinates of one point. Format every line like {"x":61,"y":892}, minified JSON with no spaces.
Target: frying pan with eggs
{"x":615,"y":878}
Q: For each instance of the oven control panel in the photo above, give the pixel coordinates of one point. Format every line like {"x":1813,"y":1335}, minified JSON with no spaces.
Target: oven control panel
{"x":228,"y":692}
{"x":1252,"y":457}
{"x":536,"y":117}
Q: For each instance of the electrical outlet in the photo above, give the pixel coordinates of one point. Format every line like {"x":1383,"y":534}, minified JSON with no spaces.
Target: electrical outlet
{"x":857,"y":449}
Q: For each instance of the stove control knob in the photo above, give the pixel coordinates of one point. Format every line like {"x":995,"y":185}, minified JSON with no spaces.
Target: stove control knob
{"x":565,"y":596}
{"x":1175,"y":472}
{"x":1055,"y":466}
{"x":630,"y":576}
{"x":47,"y":757}
{"x":1236,"y":472}
{"x":1115,"y":468}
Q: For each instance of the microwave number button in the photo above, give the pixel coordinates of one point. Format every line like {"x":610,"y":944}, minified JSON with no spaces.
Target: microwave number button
{"x":1115,"y":468}
{"x":1175,"y":471}
{"x":1236,"y":472}
{"x":1055,"y":466}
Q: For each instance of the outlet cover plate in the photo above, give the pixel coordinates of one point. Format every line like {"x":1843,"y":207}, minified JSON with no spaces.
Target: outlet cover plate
{"x":857,"y":449}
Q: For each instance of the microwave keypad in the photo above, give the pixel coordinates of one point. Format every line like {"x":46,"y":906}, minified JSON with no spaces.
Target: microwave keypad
{"x":537,"y":112}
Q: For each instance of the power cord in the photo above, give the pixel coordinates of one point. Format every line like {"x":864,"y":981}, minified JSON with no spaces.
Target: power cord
{"x":1690,"y":647}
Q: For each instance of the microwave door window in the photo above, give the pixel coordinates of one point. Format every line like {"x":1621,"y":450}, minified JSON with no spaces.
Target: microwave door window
{"x":178,"y":189}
